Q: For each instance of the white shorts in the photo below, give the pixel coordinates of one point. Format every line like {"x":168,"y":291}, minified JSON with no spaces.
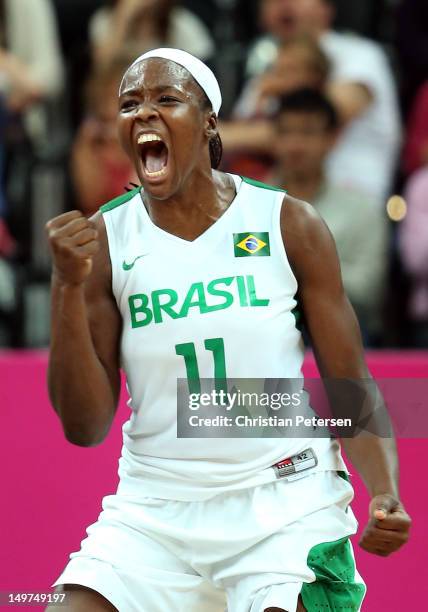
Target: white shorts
{"x":242,"y":551}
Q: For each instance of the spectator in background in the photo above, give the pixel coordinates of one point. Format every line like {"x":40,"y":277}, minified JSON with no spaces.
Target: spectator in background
{"x":73,"y":17}
{"x":30,"y":58}
{"x":278,"y":19}
{"x":138,"y":25}
{"x":362,"y":88}
{"x":100,"y":170}
{"x":300,"y":62}
{"x":31,"y":73}
{"x":307,"y":129}
{"x":416,"y":146}
{"x":247,"y":139}
{"x":413,"y":245}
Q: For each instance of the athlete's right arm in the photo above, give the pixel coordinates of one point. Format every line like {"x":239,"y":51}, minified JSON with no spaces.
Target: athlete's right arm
{"x":83,"y":375}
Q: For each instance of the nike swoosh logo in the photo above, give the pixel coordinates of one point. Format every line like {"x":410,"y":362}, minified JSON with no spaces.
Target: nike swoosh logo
{"x":127,"y":266}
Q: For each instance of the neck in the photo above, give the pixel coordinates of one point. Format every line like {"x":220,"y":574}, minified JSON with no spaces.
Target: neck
{"x":200,"y":202}
{"x":303,"y":186}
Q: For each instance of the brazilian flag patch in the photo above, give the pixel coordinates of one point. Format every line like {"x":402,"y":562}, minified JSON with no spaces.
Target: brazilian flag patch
{"x":255,"y":244}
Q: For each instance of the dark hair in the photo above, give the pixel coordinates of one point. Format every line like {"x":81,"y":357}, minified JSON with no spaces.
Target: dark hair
{"x":309,"y":101}
{"x":215,"y":143}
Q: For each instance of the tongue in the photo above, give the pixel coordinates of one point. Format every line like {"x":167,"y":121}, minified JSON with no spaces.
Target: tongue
{"x":156,"y":159}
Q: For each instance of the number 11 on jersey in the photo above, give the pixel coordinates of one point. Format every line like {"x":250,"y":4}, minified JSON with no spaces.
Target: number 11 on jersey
{"x":188,"y":351}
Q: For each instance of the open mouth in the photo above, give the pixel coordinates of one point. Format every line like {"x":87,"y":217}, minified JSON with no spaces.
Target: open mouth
{"x":154,"y":155}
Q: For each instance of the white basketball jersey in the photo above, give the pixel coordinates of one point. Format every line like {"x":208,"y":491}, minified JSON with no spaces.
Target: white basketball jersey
{"x":223,"y":304}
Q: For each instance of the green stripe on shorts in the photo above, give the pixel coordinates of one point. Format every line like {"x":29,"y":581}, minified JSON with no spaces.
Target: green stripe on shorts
{"x":334,"y":588}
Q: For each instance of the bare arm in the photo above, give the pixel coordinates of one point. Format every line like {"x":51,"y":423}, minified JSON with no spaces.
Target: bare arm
{"x":329,"y":315}
{"x":251,"y":136}
{"x":83,"y":376}
{"x":350,"y":99}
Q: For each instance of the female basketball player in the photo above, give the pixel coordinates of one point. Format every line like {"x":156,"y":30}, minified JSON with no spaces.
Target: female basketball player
{"x":194,"y":273}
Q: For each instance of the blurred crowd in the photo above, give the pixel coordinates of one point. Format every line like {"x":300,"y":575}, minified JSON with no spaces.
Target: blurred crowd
{"x":327,"y":99}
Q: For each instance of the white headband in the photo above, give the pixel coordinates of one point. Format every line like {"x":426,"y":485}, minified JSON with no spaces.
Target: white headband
{"x":199,"y":71}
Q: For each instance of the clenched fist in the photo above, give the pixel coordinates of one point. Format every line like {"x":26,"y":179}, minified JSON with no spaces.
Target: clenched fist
{"x":388,"y":526}
{"x":73,"y":241}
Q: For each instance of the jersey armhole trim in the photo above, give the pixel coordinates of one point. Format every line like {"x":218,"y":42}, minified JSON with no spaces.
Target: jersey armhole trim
{"x":282,"y":251}
{"x":261,"y":185}
{"x":112,"y":250}
{"x":122,"y":199}
{"x":111,"y":237}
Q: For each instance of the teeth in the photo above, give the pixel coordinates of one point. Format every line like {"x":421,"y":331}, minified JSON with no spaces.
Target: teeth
{"x":142,"y":139}
{"x":149,"y":138}
{"x":159,"y":173}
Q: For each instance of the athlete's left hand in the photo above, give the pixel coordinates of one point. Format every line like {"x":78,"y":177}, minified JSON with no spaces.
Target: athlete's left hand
{"x":388,"y":527}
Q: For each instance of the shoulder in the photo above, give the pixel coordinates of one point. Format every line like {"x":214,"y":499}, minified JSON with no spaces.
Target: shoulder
{"x":119,"y":201}
{"x":305,"y":234}
{"x":353,"y":56}
{"x":299,"y":217}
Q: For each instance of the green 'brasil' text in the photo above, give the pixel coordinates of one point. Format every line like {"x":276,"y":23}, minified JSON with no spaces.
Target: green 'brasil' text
{"x":162,"y":303}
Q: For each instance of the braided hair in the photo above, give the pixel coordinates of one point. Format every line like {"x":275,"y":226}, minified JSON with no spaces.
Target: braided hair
{"x":215,"y":143}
